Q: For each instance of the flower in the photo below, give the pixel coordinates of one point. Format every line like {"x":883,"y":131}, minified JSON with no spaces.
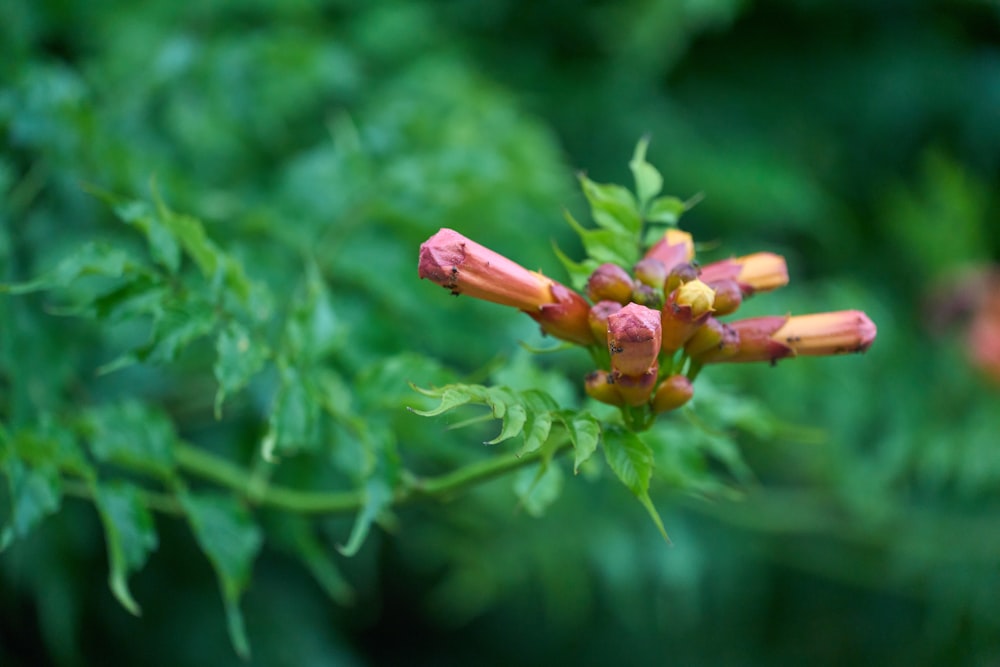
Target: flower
{"x":672,"y":393}
{"x":610,"y":282}
{"x":635,"y":390}
{"x":687,"y":308}
{"x":772,"y":338}
{"x":464,"y":267}
{"x":676,"y":247}
{"x":600,"y":385}
{"x":758,"y":272}
{"x":634,"y":339}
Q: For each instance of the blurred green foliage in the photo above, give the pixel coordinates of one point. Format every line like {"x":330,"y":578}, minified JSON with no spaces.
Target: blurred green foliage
{"x":258,"y":176}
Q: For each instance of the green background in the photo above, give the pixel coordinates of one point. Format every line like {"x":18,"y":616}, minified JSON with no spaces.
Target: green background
{"x":859,"y":139}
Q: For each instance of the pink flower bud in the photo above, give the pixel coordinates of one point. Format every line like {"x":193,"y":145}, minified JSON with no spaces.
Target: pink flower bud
{"x":651,"y":271}
{"x":680,"y":274}
{"x":610,"y":282}
{"x":598,"y":318}
{"x":713,"y":341}
{"x":465,"y":267}
{"x":635,"y":390}
{"x":728,"y":297}
{"x":600,"y":386}
{"x":676,"y":247}
{"x":758,"y":272}
{"x":672,"y":393}
{"x":773,"y":338}
{"x":634,"y":339}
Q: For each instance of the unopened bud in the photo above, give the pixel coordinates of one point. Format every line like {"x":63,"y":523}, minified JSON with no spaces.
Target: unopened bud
{"x":713,"y":341}
{"x":651,"y":271}
{"x":600,"y":386}
{"x":566,"y":318}
{"x":672,"y":393}
{"x":644,"y":295}
{"x":728,"y":297}
{"x":609,"y":282}
{"x":680,"y":274}
{"x":634,"y":339}
{"x":687,"y":308}
{"x":598,"y":319}
{"x":676,"y":247}
{"x":758,"y":272}
{"x":635,"y":390}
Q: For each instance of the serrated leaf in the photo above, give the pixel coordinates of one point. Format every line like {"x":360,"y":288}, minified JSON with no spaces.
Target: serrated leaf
{"x":238,"y":358}
{"x":129,"y":533}
{"x":163,"y":246}
{"x":648,"y":181}
{"x":539,"y":407}
{"x":612,"y":206}
{"x":90,"y":259}
{"x":134,"y":436}
{"x":666,"y":210}
{"x":313,"y":328}
{"x":226,"y":533}
{"x":537,"y":487}
{"x":452,"y":396}
{"x":631,"y":459}
{"x":35,"y":493}
{"x":508,"y":407}
{"x":296,"y":412}
{"x":584,"y":432}
{"x":606,"y":245}
{"x":175,"y":330}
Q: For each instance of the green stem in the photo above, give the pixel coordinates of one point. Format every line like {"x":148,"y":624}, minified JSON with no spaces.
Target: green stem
{"x":212,"y":468}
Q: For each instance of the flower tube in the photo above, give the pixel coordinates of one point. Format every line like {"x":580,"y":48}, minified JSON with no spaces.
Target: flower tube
{"x":758,"y":272}
{"x":773,"y":338}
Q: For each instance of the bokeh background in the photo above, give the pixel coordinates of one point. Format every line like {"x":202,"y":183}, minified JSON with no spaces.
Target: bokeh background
{"x":859,"y":139}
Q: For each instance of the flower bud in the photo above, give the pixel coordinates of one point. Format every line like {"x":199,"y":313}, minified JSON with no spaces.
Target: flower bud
{"x":773,"y":338}
{"x":728,"y":297}
{"x":644,"y":295}
{"x":465,"y":267}
{"x":598,"y":318}
{"x":682,"y":273}
{"x":651,"y":271}
{"x":758,"y":272}
{"x":634,"y":339}
{"x":672,"y":393}
{"x":687,"y":308}
{"x":635,"y":390}
{"x":676,"y":247}
{"x":713,"y":341}
{"x":610,"y":282}
{"x":600,"y":386}
{"x":566,"y":318}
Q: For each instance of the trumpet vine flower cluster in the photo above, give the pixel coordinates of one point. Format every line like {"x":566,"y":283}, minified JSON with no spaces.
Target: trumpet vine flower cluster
{"x":654,"y":328}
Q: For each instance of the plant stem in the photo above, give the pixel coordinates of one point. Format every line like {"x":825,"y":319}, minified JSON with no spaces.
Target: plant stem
{"x":215,"y":469}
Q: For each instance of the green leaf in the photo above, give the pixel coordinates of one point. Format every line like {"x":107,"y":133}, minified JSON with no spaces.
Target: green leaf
{"x":238,"y":358}
{"x":378,"y":496}
{"x":606,"y":245}
{"x":163,"y":246}
{"x":506,"y":406}
{"x":313,"y":329}
{"x":539,"y":411}
{"x":538,"y":486}
{"x":612,"y":206}
{"x":584,"y":432}
{"x":296,"y":413}
{"x":133,"y":436}
{"x":296,"y":535}
{"x":129,"y":533}
{"x":579,"y":272}
{"x":452,"y":396}
{"x":666,"y":210}
{"x":90,"y":259}
{"x":631,"y":459}
{"x":648,"y":181}
{"x":35,"y":493}
{"x":226,"y":533}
